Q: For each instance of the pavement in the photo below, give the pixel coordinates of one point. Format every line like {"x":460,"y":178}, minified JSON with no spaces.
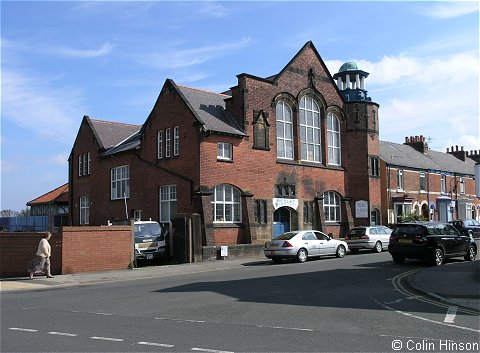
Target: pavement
{"x":455,"y":283}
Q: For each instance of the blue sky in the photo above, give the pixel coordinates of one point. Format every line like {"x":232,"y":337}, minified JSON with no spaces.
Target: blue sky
{"x":61,"y":60}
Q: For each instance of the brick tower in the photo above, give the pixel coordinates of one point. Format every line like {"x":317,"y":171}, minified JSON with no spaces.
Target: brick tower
{"x":362,"y":146}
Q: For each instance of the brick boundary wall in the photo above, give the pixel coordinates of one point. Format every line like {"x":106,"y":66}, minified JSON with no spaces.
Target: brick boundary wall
{"x":18,"y":249}
{"x":234,"y":251}
{"x":93,"y":249}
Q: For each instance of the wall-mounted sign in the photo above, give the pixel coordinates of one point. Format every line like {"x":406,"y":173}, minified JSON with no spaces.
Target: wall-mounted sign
{"x":361,"y":209}
{"x":277,"y":203}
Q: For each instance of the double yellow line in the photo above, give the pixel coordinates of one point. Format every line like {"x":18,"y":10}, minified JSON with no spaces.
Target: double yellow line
{"x":397,"y":284}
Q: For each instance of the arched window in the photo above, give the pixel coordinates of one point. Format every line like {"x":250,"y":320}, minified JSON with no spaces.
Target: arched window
{"x":226,"y":204}
{"x":333,"y":136}
{"x":331,"y":206}
{"x":310,"y":141}
{"x":284,"y":131}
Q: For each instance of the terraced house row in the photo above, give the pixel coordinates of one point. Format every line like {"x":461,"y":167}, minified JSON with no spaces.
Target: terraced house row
{"x":296,"y":150}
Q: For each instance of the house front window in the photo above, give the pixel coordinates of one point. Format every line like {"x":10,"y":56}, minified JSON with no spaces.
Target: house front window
{"x":120,"y":178}
{"x":84,"y":210}
{"x":423,"y":182}
{"x":310,"y":130}
{"x":168,"y":202}
{"x":226,"y":204}
{"x":374,"y":166}
{"x":402,"y":211}
{"x":443,"y":184}
{"x":400,"y":179}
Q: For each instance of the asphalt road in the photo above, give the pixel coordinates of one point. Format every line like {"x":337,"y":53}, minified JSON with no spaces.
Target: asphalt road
{"x":361,"y":303}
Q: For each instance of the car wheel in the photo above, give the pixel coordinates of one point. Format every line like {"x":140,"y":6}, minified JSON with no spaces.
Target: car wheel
{"x":398,"y":259}
{"x":277,"y":260}
{"x":471,"y":253}
{"x":438,"y":257}
{"x":340,"y":251}
{"x":302,"y":255}
{"x":378,"y":247}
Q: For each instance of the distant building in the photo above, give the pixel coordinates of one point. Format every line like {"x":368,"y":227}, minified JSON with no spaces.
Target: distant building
{"x":426,"y":183}
{"x":53,"y":204}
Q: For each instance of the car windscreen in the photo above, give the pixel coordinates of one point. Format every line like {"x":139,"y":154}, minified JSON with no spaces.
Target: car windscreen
{"x":286,"y":236}
{"x":147,"y":230}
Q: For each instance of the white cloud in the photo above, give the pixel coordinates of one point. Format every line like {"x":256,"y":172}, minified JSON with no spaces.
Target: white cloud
{"x":175,"y":59}
{"x":213,"y":9}
{"x":31,"y":102}
{"x":449,"y":9}
{"x":105,"y":49}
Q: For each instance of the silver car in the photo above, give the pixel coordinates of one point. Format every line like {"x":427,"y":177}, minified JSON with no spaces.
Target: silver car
{"x":302,"y":244}
{"x":375,"y":238}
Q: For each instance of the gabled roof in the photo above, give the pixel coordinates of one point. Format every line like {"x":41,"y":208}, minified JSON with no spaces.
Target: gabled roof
{"x":402,"y":155}
{"x":57,"y":195}
{"x":110,"y":134}
{"x":209,"y":109}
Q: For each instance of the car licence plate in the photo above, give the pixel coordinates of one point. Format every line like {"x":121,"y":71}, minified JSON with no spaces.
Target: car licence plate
{"x":149,"y":256}
{"x":405,"y":241}
{"x":353,"y":238}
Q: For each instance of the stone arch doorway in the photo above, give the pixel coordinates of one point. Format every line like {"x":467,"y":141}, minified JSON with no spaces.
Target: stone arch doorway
{"x":281,"y":221}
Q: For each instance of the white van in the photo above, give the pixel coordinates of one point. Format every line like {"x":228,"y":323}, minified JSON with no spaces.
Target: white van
{"x":149,"y":240}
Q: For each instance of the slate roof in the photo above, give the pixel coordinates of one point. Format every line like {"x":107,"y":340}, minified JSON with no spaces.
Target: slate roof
{"x":209,"y":109}
{"x":109,"y":134}
{"x":59,"y":194}
{"x":402,"y":155}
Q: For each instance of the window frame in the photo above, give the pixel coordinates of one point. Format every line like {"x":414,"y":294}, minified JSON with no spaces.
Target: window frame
{"x":284,"y":140}
{"x":160,"y":144}
{"x":176,"y":141}
{"x":221,"y":151}
{"x":423,"y":181}
{"x":332,"y":149}
{"x":123,"y":181}
{"x":400,"y":179}
{"x":168,"y":201}
{"x":308,"y":105}
{"x":167,"y":143}
{"x":374,"y":164}
{"x":443,"y":184}
{"x":334,"y":206}
{"x":226,"y":198}
{"x":84,"y":206}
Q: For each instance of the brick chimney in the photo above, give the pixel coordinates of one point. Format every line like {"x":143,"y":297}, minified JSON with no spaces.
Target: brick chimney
{"x":475,"y":155}
{"x":462,"y":155}
{"x":417,"y":142}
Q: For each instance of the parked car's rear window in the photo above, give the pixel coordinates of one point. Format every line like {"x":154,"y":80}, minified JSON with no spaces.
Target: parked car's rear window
{"x":409,"y":230}
{"x":286,"y":236}
{"x":357,"y":231}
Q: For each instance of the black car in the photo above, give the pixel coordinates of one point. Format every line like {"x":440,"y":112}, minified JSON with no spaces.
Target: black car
{"x":467,"y":227}
{"x":432,"y":241}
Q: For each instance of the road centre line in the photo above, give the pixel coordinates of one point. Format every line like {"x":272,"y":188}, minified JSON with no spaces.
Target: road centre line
{"x":156,"y":344}
{"x":451,"y":313}
{"x":209,"y":350}
{"x":22,"y":329}
{"x":107,"y":339}
{"x":62,"y":334}
{"x":425,"y":319}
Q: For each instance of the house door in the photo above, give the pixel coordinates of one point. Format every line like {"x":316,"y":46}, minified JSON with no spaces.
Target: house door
{"x":281,"y":221}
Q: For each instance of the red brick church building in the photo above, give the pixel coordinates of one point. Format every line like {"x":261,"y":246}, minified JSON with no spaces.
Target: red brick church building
{"x":296,"y":150}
